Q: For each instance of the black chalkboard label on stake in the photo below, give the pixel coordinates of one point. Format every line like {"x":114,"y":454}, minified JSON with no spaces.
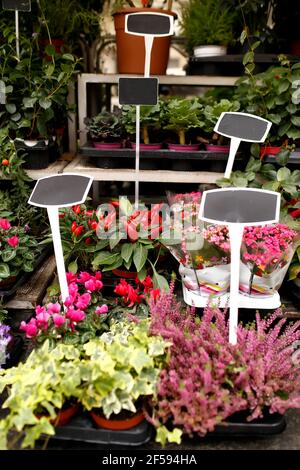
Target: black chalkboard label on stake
{"x":19,"y":5}
{"x":149,"y":24}
{"x":138,"y":91}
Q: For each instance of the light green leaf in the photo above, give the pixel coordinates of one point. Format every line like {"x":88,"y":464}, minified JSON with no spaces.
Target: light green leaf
{"x":283,"y":174}
{"x":4,"y":271}
{"x":11,"y":108}
{"x":73,"y":267}
{"x":126,"y":252}
{"x":140,"y":256}
{"x":45,"y":103}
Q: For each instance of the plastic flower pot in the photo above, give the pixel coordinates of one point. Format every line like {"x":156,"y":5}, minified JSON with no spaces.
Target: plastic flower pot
{"x":8,"y":281}
{"x":107,"y":145}
{"x":183,"y":148}
{"x":217,"y":148}
{"x":131,"y":48}
{"x":64,"y":416}
{"x":116,"y":423}
{"x":209,"y":51}
{"x":269,"y":150}
{"x":125,"y":274}
{"x":147,"y":147}
{"x":205,"y":282}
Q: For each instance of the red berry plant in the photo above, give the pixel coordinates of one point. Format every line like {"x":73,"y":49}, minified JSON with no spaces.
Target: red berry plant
{"x":207,"y":379}
{"x":83,"y":315}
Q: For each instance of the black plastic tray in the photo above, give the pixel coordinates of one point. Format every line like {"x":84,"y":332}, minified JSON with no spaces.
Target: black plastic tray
{"x":200,"y":160}
{"x":82,"y":429}
{"x":22,"y":278}
{"x":239,"y":427}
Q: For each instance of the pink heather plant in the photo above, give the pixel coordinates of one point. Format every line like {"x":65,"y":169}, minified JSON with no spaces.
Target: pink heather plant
{"x":83,"y":315}
{"x":207,"y":379}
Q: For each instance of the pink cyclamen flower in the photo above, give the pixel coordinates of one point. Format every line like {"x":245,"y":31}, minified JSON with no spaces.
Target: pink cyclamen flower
{"x":53,"y":308}
{"x":4,"y":224}
{"x":13,"y":241}
{"x":71,"y":277}
{"x":101,"y":310}
{"x":73,"y":289}
{"x":69,"y":301}
{"x":84,"y":277}
{"x":30,"y":329}
{"x":58,"y":320}
{"x":75,"y":315}
{"x":83,"y":301}
{"x":92,"y":285}
{"x":40,"y":309}
{"x":42,"y":320}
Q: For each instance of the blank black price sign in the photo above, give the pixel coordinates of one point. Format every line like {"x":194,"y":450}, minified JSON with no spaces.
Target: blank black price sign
{"x":138,"y":91}
{"x":20,"y":5}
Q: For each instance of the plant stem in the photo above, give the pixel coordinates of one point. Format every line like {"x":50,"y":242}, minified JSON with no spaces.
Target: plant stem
{"x":181,"y":134}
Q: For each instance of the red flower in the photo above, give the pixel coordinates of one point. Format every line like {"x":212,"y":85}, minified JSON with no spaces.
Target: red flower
{"x":13,"y":241}
{"x":78,"y":231}
{"x":122,"y":288}
{"x":89,"y":213}
{"x":88,"y":241}
{"x":295,"y":213}
{"x":4,"y":224}
{"x":155,"y":293}
{"x":77,"y":209}
{"x":74,"y":226}
{"x":94,"y":225}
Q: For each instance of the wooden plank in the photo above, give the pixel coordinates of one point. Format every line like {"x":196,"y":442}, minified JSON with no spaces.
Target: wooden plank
{"x":82,"y":165}
{"x":54,"y":168}
{"x":32,"y":292}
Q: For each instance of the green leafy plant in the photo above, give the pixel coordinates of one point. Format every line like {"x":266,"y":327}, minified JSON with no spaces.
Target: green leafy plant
{"x":105,"y":127}
{"x":150,"y":119}
{"x":274,"y":95}
{"x":207,"y":22}
{"x":18,"y":250}
{"x":111,"y":373}
{"x":122,"y":368}
{"x":36,"y":88}
{"x":38,"y":390}
{"x":212,"y":113}
{"x":181,"y":115}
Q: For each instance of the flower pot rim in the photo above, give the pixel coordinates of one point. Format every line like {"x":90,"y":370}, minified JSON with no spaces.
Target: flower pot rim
{"x":127,"y":10}
{"x":122,"y":424}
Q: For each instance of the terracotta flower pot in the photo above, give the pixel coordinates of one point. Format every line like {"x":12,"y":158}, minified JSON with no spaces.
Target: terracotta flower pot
{"x":131,"y":48}
{"x":117,"y":424}
{"x":125,"y":274}
{"x":64,"y":416}
{"x":9,"y":281}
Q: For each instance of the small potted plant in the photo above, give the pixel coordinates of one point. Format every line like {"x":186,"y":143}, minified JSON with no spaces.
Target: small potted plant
{"x":43,"y":393}
{"x":131,"y":49}
{"x":150,"y":121}
{"x":208,"y":382}
{"x":207,"y":27}
{"x":29,"y":113}
{"x":180,"y":116}
{"x":212,"y":112}
{"x":106,"y":130}
{"x":18,"y":252}
{"x":118,"y":384}
{"x":83,"y":316}
{"x":274,"y":95}
{"x":131,"y":238}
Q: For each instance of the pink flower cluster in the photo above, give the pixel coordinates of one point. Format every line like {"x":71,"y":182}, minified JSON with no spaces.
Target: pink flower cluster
{"x":58,"y":319}
{"x":267,"y":247}
{"x":218,"y":235}
{"x":207,"y":379}
{"x":5,"y":226}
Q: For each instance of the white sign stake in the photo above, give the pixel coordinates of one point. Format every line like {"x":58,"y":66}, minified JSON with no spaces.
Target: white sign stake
{"x":234,"y":145}
{"x":53,"y":215}
{"x":17,"y":34}
{"x":236,"y":237}
{"x":137,"y":156}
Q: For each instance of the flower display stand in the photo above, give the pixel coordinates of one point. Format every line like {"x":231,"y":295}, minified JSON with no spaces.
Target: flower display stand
{"x":195,"y":300}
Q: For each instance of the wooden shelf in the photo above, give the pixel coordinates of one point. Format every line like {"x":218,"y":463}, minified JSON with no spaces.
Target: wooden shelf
{"x":83,"y":166}
{"x":113,"y":79}
{"x":56,"y":167}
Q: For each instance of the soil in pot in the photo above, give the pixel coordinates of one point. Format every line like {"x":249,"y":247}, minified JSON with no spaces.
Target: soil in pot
{"x":124,"y":420}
